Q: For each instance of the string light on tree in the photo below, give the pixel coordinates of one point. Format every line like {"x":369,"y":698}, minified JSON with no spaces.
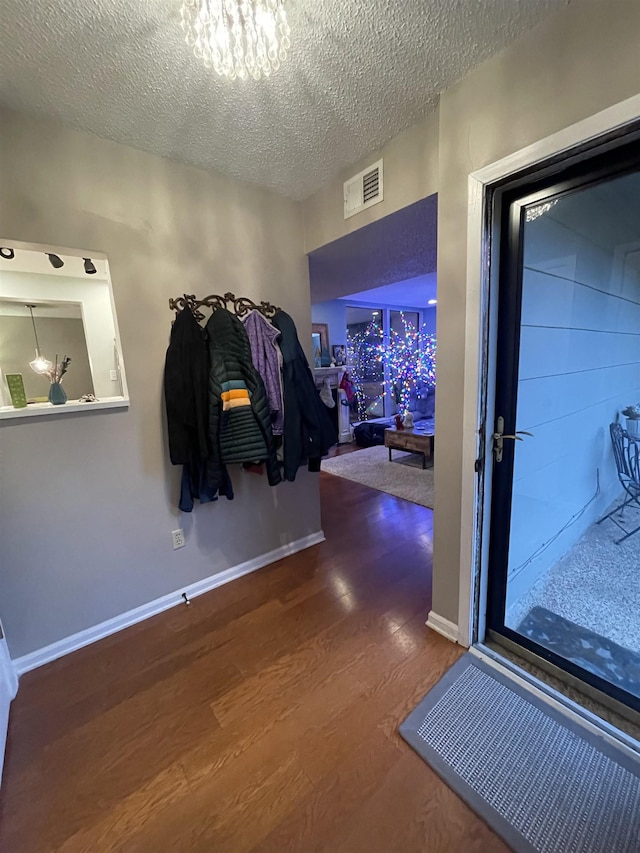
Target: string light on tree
{"x":409,"y":358}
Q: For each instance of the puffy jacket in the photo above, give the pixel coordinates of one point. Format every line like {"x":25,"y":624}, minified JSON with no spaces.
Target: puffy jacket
{"x":308,"y":430}
{"x":239,"y":416}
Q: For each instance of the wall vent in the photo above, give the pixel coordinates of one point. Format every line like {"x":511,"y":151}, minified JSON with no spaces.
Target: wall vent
{"x":363,"y":190}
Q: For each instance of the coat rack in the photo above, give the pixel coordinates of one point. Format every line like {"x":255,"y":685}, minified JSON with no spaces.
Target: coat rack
{"x":240,"y":305}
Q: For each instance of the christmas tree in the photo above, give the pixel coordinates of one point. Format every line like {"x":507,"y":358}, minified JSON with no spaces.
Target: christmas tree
{"x":406,"y":357}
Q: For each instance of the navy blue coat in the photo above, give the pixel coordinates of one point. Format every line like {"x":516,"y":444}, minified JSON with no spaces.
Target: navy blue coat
{"x":308,"y":429}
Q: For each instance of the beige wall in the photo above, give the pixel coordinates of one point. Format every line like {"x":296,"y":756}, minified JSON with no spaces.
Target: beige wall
{"x":87,"y":502}
{"x":575,"y":64}
{"x":410,"y":174}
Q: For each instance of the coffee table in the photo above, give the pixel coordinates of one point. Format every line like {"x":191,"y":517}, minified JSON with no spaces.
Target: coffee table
{"x":411,"y":441}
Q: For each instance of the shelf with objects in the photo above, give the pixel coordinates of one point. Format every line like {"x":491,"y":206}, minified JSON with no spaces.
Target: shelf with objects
{"x":60,"y":350}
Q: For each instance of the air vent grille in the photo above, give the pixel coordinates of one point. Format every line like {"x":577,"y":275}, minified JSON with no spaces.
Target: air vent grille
{"x":371,"y":185}
{"x":363,"y":190}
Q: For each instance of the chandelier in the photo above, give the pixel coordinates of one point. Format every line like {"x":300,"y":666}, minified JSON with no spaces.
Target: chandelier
{"x":237,"y":38}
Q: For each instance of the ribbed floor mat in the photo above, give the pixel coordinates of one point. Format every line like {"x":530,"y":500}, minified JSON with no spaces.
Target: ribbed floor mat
{"x":539,"y":779}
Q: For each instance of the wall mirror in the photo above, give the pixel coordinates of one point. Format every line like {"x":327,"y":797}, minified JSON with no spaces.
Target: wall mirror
{"x":320,"y":344}
{"x":59,"y":343}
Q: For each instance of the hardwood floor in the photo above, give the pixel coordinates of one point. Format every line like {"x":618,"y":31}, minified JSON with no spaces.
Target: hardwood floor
{"x":341,"y":449}
{"x":261,"y":718}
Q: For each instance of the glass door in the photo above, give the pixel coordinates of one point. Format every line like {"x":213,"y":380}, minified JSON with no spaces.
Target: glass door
{"x":564,"y":561}
{"x":365,"y":351}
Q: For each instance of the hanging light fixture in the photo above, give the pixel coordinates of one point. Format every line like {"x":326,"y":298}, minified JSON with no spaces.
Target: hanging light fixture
{"x":237,"y":38}
{"x":39,"y":364}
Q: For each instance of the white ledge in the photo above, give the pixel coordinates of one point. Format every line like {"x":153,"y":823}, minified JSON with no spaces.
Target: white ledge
{"x":35,"y":410}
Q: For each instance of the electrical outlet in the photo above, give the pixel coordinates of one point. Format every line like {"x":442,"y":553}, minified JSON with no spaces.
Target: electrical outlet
{"x":177,"y":537}
{"x":113,"y":375}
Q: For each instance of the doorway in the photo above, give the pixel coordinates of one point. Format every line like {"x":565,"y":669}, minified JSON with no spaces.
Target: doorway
{"x":563,"y":445}
{"x":374,"y":290}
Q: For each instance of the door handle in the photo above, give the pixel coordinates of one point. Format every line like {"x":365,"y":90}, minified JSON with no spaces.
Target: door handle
{"x":515,"y":437}
{"x":499,"y":437}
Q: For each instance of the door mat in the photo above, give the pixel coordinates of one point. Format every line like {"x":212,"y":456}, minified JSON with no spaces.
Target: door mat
{"x":541,"y":780}
{"x":586,"y":648}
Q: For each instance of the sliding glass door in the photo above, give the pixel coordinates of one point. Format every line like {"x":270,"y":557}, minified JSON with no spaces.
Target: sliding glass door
{"x":365,"y":344}
{"x":565,"y":519}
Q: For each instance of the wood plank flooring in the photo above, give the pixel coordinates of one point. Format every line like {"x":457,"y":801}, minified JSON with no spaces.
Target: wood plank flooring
{"x":261,"y":718}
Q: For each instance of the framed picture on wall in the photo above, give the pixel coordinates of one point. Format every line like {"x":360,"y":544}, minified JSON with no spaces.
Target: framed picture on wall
{"x":339,"y":353}
{"x":322,"y":329}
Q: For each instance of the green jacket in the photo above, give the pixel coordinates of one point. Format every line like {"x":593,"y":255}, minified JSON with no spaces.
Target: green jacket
{"x":239,"y":416}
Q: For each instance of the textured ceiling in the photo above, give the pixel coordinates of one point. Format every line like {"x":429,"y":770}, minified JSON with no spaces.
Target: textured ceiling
{"x":358,"y":73}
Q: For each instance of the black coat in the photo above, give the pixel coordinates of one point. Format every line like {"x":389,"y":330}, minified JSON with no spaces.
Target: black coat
{"x":239,"y":427}
{"x":186,"y":377}
{"x":185,"y":390}
{"x":308,"y":430}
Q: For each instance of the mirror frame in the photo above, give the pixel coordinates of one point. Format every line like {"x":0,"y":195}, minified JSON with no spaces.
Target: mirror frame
{"x":48,"y":409}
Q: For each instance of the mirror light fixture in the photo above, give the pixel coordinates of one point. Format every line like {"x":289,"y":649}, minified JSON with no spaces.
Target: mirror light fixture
{"x":237,"y":38}
{"x":7,"y":254}
{"x":55,"y":260}
{"x":88,"y":266}
{"x":39,"y":364}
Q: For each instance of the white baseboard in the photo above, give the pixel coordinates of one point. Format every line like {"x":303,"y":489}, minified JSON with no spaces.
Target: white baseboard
{"x":131,"y":617}
{"x":442,"y":626}
{"x":8,"y":689}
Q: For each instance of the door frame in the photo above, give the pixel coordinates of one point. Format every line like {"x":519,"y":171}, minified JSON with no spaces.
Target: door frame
{"x":481,"y":348}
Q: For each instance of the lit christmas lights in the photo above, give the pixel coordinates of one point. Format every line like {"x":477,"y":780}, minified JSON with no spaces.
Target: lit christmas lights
{"x":406,"y":358}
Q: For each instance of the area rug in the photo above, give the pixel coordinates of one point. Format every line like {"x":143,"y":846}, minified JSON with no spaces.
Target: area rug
{"x":540,"y":779}
{"x":592,"y":651}
{"x":370,"y":466}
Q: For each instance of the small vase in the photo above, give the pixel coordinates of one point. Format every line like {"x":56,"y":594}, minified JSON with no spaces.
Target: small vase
{"x":57,"y":394}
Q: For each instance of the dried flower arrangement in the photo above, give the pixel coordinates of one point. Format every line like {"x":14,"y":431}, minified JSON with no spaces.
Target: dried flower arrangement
{"x":55,"y":373}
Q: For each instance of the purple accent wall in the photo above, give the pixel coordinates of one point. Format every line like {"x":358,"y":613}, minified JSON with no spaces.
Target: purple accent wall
{"x":399,"y":246}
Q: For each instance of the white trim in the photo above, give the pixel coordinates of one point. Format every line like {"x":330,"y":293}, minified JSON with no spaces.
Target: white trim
{"x":613,"y":117}
{"x":471,"y":412}
{"x":131,"y":617}
{"x":8,"y":673}
{"x":590,"y":128}
{"x":442,"y":626}
{"x":36,"y":410}
{"x":8,"y":690}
